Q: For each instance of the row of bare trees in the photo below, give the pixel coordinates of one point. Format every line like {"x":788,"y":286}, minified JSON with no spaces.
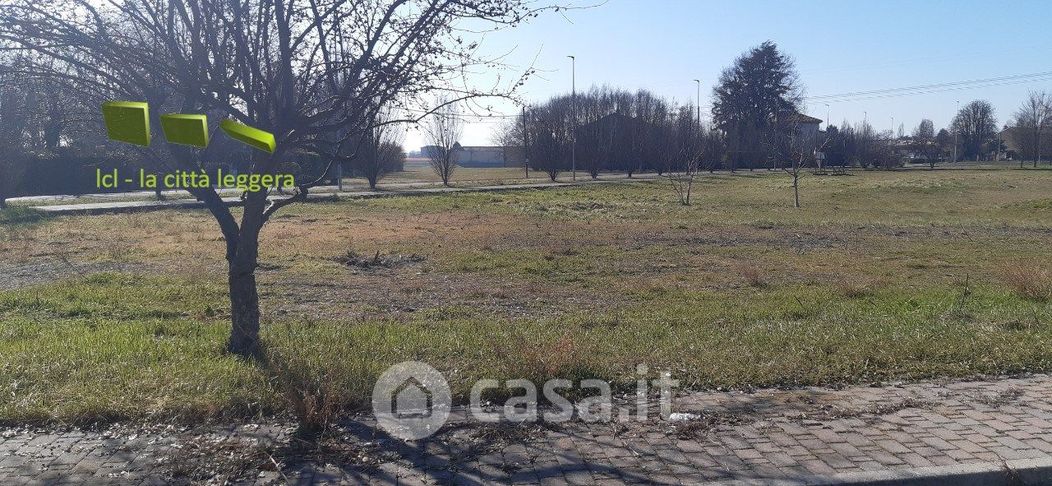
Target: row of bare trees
{"x":1032,"y":130}
{"x":605,"y":130}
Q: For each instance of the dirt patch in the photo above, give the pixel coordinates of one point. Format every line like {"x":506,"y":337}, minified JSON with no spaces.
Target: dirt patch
{"x":358,"y":261}
{"x":401,"y":291}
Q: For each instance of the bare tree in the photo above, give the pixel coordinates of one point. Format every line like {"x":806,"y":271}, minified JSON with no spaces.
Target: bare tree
{"x":798,"y":146}
{"x":510,"y":135}
{"x":976,"y":125}
{"x":312,"y":72}
{"x":550,"y":135}
{"x":443,"y":130}
{"x":380,"y":151}
{"x":687,"y":151}
{"x":682,"y":179}
{"x":798,"y":149}
{"x":549,"y":153}
{"x":1032,"y":122}
{"x":924,"y":142}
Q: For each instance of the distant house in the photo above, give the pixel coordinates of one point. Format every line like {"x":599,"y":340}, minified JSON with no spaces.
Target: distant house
{"x":428,"y":150}
{"x":480,"y":155}
{"x":806,"y":126}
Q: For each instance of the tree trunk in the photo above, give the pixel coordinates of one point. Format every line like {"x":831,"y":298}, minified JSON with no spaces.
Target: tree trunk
{"x":244,"y":309}
{"x":796,"y":189}
{"x":242,"y":256}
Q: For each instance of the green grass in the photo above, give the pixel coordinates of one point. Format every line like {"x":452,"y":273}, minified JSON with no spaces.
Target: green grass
{"x":110,"y":347}
{"x":880,"y":276}
{"x":14,"y":216}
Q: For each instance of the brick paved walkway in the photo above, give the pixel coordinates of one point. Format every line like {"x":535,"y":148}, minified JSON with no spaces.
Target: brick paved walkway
{"x":1001,"y":428}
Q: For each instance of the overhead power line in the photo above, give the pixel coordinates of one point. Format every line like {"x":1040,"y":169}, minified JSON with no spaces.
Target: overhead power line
{"x":932,"y":88}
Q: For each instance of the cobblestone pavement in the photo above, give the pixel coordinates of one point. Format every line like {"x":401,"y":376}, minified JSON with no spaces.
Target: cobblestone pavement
{"x":798,"y":436}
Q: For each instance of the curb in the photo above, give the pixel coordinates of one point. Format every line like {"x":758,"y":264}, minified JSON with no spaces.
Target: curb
{"x":144,"y":206}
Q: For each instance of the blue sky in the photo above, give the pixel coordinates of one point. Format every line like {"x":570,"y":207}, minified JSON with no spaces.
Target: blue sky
{"x":839,"y":47}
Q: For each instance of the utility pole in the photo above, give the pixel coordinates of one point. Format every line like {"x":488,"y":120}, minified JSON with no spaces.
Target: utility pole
{"x":997,"y":149}
{"x":573,"y":109}
{"x":827,"y":116}
{"x":698,"y":81}
{"x":525,"y":143}
{"x":955,"y":131}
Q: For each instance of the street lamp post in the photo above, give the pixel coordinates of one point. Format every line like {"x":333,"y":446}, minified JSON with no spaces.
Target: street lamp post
{"x":573,"y":109}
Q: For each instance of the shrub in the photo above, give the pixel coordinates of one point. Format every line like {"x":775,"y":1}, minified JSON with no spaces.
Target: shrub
{"x":1028,"y":281}
{"x":855,"y":286}
{"x":753,"y":275}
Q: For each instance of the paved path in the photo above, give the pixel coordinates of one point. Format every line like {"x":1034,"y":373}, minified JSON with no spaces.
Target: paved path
{"x":179,"y":200}
{"x":985,"y":432}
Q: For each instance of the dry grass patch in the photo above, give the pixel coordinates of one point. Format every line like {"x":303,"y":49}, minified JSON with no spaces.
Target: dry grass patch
{"x":856,"y":286}
{"x":1028,"y":281}
{"x":754,"y":275}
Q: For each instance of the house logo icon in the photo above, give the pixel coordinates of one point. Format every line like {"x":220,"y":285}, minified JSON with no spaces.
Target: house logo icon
{"x":411,"y":400}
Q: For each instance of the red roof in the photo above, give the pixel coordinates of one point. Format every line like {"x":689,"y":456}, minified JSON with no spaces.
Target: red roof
{"x":802,"y":118}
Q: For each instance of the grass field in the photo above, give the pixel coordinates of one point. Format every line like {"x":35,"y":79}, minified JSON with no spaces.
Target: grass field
{"x":880,"y":276}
